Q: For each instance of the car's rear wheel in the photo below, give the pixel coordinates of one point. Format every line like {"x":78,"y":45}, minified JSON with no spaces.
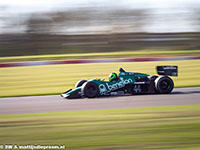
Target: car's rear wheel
{"x":90,"y":89}
{"x":164,"y":85}
{"x":80,"y":83}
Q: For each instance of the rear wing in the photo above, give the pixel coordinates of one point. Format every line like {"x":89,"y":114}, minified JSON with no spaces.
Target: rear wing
{"x":167,"y":70}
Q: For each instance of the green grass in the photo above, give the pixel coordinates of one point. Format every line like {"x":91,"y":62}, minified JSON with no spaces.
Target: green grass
{"x":143,"y":53}
{"x":169,"y":128}
{"x":55,"y":79}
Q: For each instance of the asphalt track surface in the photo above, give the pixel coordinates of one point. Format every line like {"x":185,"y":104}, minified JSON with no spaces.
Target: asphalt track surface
{"x":55,"y":103}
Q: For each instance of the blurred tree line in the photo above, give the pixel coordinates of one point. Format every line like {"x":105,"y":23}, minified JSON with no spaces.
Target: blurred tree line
{"x":91,"y":30}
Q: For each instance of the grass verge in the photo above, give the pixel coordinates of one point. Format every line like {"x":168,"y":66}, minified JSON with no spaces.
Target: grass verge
{"x":54,"y":79}
{"x":171,"y":127}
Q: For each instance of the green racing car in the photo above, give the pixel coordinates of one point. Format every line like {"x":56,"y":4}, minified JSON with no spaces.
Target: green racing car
{"x":125,"y":83}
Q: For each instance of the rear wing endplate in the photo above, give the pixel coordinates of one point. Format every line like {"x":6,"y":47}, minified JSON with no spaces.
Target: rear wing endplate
{"x":167,"y":70}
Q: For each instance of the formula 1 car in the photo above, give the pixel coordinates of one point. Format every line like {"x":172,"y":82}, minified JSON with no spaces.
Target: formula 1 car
{"x":125,"y":83}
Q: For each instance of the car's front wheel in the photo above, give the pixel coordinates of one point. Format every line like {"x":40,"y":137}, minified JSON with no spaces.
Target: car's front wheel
{"x":164,"y":85}
{"x":90,"y":89}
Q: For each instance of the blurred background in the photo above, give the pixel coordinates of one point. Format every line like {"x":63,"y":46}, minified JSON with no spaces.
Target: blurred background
{"x":46,"y":30}
{"x":85,"y":26}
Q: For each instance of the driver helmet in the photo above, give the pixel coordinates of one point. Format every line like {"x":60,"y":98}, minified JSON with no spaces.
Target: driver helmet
{"x":113,"y":77}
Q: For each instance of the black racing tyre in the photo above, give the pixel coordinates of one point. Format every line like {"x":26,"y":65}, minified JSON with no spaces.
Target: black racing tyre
{"x":164,"y":85}
{"x":80,"y":83}
{"x":152,"y":77}
{"x":90,"y":89}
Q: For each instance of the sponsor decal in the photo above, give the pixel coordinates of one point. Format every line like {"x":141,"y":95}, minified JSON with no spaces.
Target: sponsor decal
{"x":139,"y":82}
{"x":105,"y":88}
{"x":137,"y":89}
{"x":169,"y":67}
{"x":102,"y":89}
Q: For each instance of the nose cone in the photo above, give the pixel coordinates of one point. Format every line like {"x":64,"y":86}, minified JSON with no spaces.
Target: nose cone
{"x":63,"y":95}
{"x":72,"y":94}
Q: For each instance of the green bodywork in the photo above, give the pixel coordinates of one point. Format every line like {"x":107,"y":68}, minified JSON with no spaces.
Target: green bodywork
{"x":108,"y":86}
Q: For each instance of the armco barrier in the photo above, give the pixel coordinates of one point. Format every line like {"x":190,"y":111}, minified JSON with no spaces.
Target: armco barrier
{"x":38,"y":63}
